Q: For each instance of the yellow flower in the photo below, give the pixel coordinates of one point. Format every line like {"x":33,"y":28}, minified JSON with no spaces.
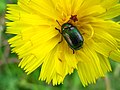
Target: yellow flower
{"x":37,"y":42}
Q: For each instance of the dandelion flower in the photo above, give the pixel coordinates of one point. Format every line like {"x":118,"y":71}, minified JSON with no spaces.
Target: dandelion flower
{"x":38,"y":43}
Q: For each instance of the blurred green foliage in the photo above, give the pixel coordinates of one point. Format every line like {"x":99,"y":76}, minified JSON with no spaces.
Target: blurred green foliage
{"x":2,"y":6}
{"x":14,"y":78}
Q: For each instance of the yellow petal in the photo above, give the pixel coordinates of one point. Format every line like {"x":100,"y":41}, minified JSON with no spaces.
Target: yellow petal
{"x":109,"y":3}
{"x":93,"y":10}
{"x":115,"y":55}
{"x":91,"y":70}
{"x":48,"y":70}
{"x":113,"y":12}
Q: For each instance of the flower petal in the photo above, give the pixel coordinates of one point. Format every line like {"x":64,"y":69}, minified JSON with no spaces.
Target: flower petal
{"x":93,"y":11}
{"x":113,"y":29}
{"x":51,"y":68}
{"x":105,"y":64}
{"x":115,"y":55}
{"x":70,"y":57}
{"x":39,"y":8}
{"x":30,"y":64}
{"x":113,"y":12}
{"x":91,"y":70}
{"x":109,"y":3}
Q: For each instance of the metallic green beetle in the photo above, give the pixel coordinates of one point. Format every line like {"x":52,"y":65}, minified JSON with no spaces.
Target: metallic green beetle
{"x":72,"y":36}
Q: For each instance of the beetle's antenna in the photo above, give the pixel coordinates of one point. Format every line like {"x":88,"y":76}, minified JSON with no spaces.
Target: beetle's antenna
{"x":68,"y":21}
{"x":73,"y":52}
{"x":58,"y":22}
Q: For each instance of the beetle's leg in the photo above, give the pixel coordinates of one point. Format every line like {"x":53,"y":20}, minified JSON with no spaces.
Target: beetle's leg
{"x":58,"y":29}
{"x":73,"y":52}
{"x":58,"y":22}
{"x":60,"y":33}
{"x":60,"y":40}
{"x":68,"y":21}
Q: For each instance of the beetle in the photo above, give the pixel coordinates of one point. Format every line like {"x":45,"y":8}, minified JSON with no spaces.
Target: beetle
{"x":72,"y":36}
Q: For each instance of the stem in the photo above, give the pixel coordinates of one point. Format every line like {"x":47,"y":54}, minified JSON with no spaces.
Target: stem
{"x":107,"y":83}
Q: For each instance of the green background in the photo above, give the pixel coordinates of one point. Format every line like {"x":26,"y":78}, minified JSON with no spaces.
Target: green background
{"x":14,"y":78}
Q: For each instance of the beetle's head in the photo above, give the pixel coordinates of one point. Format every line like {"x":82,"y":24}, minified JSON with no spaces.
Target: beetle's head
{"x":66,"y":26}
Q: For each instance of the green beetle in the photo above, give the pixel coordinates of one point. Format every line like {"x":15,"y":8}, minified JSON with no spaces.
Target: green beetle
{"x":72,"y":36}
